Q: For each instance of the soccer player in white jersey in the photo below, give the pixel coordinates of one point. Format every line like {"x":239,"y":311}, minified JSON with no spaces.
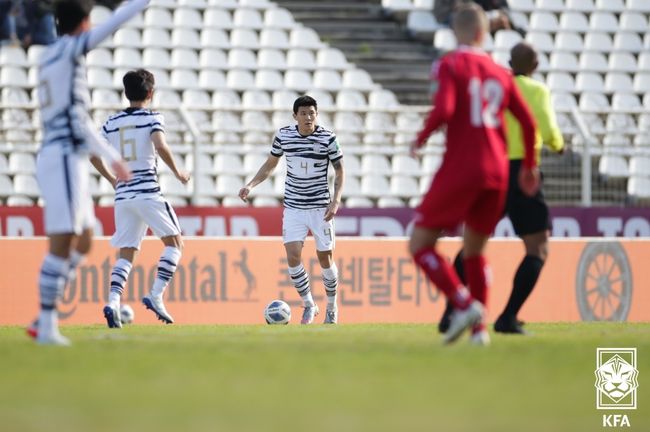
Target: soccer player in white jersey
{"x":139,"y":135}
{"x":309,"y":149}
{"x":69,"y":135}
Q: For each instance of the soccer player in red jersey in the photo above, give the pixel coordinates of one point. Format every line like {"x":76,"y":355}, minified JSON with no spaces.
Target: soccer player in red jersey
{"x":472,"y":182}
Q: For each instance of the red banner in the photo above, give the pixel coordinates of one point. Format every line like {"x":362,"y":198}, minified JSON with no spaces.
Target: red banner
{"x":370,"y":222}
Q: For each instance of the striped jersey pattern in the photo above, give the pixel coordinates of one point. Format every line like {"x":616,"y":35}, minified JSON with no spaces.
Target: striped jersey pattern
{"x":63,"y":94}
{"x":129,"y":132}
{"x":308,"y":160}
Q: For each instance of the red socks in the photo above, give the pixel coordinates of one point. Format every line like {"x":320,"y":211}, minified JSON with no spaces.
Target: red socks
{"x":443,"y":276}
{"x":477,"y":275}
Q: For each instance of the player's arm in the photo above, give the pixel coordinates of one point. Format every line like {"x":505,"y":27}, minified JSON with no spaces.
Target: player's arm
{"x":115,"y":21}
{"x":529,"y":174}
{"x":444,"y":105}
{"x":165,"y":153}
{"x":333,"y":207}
{"x":262,"y":174}
{"x":102,"y":169}
{"x":547,"y":123}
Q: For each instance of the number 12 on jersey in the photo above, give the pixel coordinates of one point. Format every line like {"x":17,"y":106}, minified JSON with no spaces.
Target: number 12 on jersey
{"x":488,"y":93}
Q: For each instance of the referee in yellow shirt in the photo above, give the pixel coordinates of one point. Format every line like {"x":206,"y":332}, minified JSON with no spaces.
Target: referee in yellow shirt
{"x":529,"y":215}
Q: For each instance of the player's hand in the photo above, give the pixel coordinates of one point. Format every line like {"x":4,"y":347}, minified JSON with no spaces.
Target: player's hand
{"x":414,"y":150}
{"x":243,"y":193}
{"x":121,"y":170}
{"x":332,"y":209}
{"x":183,"y":177}
{"x":529,"y":180}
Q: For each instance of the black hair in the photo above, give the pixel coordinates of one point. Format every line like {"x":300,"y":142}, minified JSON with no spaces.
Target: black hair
{"x":138,"y":84}
{"x":304,"y":101}
{"x":70,"y":13}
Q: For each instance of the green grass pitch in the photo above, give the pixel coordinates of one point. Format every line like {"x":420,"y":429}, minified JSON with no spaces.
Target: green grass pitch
{"x":292,"y":378}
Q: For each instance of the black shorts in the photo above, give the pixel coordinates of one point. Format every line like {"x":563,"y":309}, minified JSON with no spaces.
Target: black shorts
{"x":528,"y":215}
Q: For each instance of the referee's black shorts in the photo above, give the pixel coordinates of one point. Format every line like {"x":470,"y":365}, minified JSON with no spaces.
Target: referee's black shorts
{"x":528,"y":215}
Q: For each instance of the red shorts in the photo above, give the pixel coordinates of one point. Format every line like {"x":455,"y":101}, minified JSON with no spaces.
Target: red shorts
{"x":447,"y":204}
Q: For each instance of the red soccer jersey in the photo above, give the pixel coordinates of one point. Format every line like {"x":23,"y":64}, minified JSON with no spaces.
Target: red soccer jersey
{"x":473,"y":94}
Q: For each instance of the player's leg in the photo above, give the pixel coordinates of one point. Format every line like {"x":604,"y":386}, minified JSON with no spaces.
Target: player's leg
{"x":524,"y":281}
{"x":323,"y":232}
{"x":294,"y":233}
{"x":119,"y":276}
{"x":445,"y":319}
{"x":160,"y":216}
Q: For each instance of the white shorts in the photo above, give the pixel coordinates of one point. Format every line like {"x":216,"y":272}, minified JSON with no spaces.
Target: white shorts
{"x":63,"y":181}
{"x":133,"y":217}
{"x":296,"y":223}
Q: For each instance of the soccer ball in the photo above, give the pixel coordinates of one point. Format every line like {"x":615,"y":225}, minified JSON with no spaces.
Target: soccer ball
{"x":277,"y":312}
{"x":127,"y":314}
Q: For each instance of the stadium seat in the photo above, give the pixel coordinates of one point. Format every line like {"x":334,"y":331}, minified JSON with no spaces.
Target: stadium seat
{"x":4,"y":165}
{"x":603,"y":22}
{"x":625,"y":41}
{"x":506,"y":39}
{"x":421,"y":21}
{"x":397,"y":5}
{"x":599,"y":42}
{"x":301,"y":59}
{"x":358,"y":201}
{"x":324,"y":99}
{"x":405,"y":165}
{"x":186,"y":38}
{"x":616,"y":82}
{"x":639,"y":187}
{"x":185,"y":58}
{"x":35,"y":52}
{"x":170,"y":186}
{"x":580,"y":5}
{"x":269,"y":80}
{"x":593,"y":62}
{"x":522,"y":5}
{"x":639,"y":6}
{"x":240,"y":58}
{"x":106,"y":98}
{"x":217,"y":18}
{"x":15,"y":96}
{"x":283,"y":99}
{"x":280,"y":119}
{"x":297,"y":80}
{"x":560,"y":81}
{"x":13,"y":56}
{"x":213,"y":59}
{"x":127,"y":37}
{"x":233,"y":201}
{"x":226,"y":121}
{"x":574,"y":22}
{"x":156,"y":58}
{"x":610,"y":5}
{"x":19,"y":201}
{"x":626,"y":101}
{"x":550,"y":5}
{"x":97,"y":78}
{"x":196,"y":98}
{"x":240,"y":80}
{"x":374,"y":185}
{"x":633,"y":22}
{"x":188,"y":18}
{"x":390,"y":202}
{"x":225,"y":163}
{"x":268,"y":58}
{"x":228,"y":185}
{"x":564,"y":61}
{"x":589,"y":82}
{"x":11,"y":76}
{"x":379,"y":122}
{"x":305,"y":38}
{"x":99,"y":14}
{"x":329,"y":80}
{"x":331,"y":58}
{"x":156,"y":38}
{"x":642,"y":82}
{"x":182,"y":79}
{"x":279,"y":18}
{"x":214,"y":38}
{"x":404,"y":186}
{"x":25,"y":184}
{"x":617,"y":144}
{"x":594,"y":102}
{"x":568,"y":41}
{"x":6,"y":186}
{"x":544,"y":21}
{"x":358,"y":79}
{"x":274,"y":38}
{"x":158,"y":17}
{"x":255,"y":121}
{"x":444,"y":39}
{"x":613,"y":166}
{"x":256,"y":99}
{"x":542,"y":41}
{"x":375,"y":164}
{"x":166,"y":98}
{"x":640,"y":166}
{"x":126,"y":58}
{"x":350,"y":99}
{"x":563,"y":101}
{"x":382,"y":99}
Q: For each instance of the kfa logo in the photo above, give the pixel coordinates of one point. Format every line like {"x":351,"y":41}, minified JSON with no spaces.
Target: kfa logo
{"x":616,"y":383}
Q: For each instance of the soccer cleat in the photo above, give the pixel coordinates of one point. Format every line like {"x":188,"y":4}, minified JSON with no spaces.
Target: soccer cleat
{"x":509,"y":325}
{"x":480,"y":338}
{"x":331,"y":316}
{"x":32,"y":329}
{"x":113,"y":318}
{"x":308,"y":314}
{"x":52,"y":338}
{"x":158,"y":307}
{"x":445,"y":319}
{"x":463,"y":319}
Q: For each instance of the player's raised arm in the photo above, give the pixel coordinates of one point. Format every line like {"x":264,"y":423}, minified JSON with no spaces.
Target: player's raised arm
{"x":262,"y":174}
{"x":115,"y":21}
{"x":444,"y":105}
{"x":165,"y":153}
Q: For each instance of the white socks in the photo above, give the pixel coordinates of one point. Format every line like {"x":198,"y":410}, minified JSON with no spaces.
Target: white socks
{"x":166,"y":268}
{"x":331,"y":282}
{"x":119,"y":276}
{"x":300,"y":280}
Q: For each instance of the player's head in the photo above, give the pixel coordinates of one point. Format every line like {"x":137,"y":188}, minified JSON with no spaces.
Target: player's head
{"x":73,"y":16}
{"x":523,"y":59}
{"x":305,"y":112}
{"x":138,"y":85}
{"x":470,"y":24}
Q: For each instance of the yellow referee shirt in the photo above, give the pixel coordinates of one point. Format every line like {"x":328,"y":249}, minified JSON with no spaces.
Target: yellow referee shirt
{"x":548,"y":132}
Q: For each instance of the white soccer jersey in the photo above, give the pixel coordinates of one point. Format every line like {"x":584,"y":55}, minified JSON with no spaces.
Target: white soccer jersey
{"x":63,"y":90}
{"x":129,"y":132}
{"x":308,"y":160}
